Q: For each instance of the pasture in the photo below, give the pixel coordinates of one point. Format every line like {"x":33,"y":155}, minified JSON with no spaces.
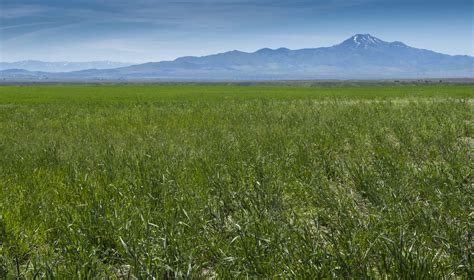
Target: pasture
{"x":227,"y":181}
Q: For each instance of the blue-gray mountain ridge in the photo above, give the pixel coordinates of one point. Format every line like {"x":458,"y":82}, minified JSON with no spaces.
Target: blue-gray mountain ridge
{"x":60,"y":66}
{"x":360,"y":57}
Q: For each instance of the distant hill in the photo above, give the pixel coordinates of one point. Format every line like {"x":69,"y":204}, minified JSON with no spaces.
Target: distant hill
{"x":360,"y":57}
{"x":64,"y":66}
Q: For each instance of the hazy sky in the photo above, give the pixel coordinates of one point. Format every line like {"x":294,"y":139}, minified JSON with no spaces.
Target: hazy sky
{"x":154,"y":30}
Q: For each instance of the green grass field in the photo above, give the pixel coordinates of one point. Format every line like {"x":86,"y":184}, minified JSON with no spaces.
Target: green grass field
{"x":205,"y":181}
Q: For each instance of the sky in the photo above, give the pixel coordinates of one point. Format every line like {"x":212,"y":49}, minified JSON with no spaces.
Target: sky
{"x":154,"y":30}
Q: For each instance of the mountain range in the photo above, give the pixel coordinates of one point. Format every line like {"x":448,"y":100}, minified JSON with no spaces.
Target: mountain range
{"x":360,"y":57}
{"x":63,"y":66}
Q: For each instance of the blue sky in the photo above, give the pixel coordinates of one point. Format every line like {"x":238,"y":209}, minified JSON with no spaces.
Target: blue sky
{"x":154,"y":30}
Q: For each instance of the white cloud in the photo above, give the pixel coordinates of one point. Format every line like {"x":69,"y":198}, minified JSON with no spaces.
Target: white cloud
{"x":22,"y":11}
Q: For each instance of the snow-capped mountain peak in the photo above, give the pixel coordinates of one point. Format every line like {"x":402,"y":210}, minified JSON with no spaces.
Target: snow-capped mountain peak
{"x":364,"y":41}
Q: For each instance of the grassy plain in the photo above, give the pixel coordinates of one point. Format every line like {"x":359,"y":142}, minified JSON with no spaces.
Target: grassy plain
{"x":203,"y":181}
